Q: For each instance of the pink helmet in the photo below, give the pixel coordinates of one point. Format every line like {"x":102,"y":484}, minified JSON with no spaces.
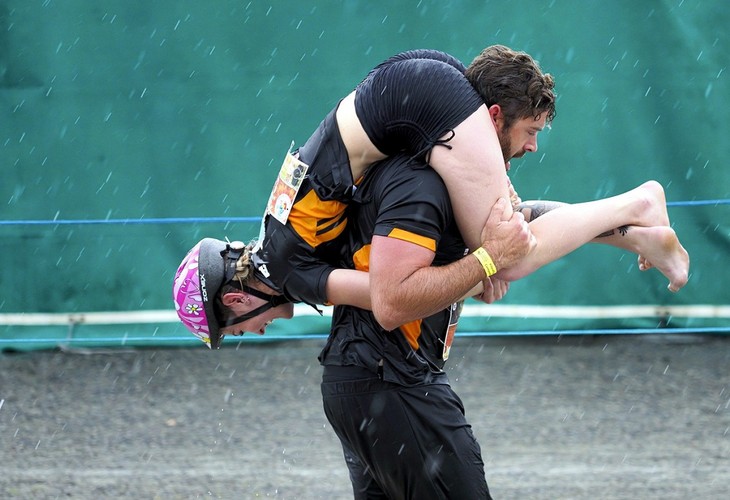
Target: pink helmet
{"x":205,"y":269}
{"x":197,"y":281}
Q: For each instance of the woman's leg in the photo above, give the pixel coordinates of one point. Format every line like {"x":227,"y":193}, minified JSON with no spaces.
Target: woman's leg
{"x":473,"y":170}
{"x":636,"y":221}
{"x":360,"y":151}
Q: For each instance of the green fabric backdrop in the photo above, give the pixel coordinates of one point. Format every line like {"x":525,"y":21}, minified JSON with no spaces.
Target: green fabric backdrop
{"x":130,"y":109}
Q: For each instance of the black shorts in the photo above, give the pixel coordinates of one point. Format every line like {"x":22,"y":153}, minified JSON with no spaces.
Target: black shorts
{"x":404,"y":442}
{"x":407,"y":103}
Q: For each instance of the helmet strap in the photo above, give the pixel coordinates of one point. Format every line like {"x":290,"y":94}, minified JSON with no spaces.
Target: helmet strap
{"x":272,"y":301}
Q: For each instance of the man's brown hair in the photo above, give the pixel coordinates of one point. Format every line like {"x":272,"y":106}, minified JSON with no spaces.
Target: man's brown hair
{"x":514,"y":81}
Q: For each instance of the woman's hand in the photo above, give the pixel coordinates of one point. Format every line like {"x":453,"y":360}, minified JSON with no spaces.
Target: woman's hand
{"x":494,"y":289}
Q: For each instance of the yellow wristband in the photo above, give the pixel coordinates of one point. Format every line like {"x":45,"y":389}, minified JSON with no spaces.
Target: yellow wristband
{"x":486,"y":261}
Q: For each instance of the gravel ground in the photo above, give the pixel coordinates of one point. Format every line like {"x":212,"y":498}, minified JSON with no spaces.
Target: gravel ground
{"x":613,"y":417}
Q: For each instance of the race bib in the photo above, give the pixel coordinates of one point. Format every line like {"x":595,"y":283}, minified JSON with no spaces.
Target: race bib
{"x":282,"y":195}
{"x":454,"y":315}
{"x":286,"y":187}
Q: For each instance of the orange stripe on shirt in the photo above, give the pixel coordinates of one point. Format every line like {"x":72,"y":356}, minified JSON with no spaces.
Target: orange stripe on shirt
{"x":317,"y":221}
{"x":421,"y":241}
{"x":361,"y":259}
{"x":412,"y":332}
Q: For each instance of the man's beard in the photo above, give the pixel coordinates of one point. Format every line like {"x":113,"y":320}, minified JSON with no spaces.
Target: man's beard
{"x":506,"y":144}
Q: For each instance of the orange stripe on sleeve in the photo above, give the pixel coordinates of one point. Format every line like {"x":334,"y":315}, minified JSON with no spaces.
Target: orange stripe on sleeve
{"x":419,"y":240}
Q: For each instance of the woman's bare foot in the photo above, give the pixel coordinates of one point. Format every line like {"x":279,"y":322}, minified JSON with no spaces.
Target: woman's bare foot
{"x":652,"y":212}
{"x":644,"y":265}
{"x":659,"y":247}
{"x":650,"y":205}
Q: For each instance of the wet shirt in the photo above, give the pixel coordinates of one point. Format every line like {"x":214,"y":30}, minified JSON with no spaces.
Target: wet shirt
{"x":296,"y":258}
{"x":408,"y":201}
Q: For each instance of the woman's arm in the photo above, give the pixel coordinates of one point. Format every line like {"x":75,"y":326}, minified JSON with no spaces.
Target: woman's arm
{"x":349,"y":287}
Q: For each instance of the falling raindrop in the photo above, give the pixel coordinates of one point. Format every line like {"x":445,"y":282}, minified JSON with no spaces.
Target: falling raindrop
{"x":569,"y":55}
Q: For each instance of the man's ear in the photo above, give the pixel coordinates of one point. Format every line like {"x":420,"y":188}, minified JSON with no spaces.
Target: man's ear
{"x":231,"y":298}
{"x":495,"y":112}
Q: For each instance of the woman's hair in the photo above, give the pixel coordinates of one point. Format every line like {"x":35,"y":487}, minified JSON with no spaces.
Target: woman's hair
{"x":243,"y":276}
{"x":514,"y":81}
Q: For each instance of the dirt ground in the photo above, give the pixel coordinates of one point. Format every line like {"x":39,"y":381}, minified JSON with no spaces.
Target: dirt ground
{"x":612,"y":417}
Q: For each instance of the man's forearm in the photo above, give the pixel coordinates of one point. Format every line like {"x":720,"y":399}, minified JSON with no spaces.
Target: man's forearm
{"x":403,"y":291}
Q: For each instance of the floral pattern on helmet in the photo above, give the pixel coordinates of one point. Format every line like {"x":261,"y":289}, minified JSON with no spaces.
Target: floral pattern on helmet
{"x":188,"y":298}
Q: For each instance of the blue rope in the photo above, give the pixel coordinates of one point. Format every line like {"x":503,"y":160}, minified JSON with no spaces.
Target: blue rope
{"x":207,"y":220}
{"x":697,"y":203}
{"x":271,"y":338}
{"x":125,"y":222}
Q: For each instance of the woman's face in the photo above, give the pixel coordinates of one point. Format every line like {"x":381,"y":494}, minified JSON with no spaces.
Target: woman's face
{"x":240,"y":303}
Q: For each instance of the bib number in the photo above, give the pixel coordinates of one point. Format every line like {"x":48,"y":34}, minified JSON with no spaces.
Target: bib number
{"x":454,"y":315}
{"x":286,"y":187}
{"x":287,"y":184}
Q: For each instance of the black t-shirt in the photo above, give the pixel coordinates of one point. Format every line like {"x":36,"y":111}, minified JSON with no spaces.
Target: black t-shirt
{"x":296,"y":258}
{"x":409,"y":201}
